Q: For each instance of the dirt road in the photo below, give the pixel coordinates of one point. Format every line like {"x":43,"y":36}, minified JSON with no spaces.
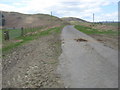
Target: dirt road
{"x":86,"y":63}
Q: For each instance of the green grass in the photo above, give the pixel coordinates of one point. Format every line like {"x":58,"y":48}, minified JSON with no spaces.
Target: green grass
{"x":0,"y":43}
{"x":89,"y":30}
{"x":10,"y":45}
{"x":14,"y":33}
{"x":0,"y":36}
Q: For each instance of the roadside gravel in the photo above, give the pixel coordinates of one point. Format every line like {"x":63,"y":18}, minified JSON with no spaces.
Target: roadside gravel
{"x":33,"y":65}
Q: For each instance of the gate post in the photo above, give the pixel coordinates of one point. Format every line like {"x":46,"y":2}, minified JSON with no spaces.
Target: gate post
{"x":6,"y":35}
{"x":22,"y":33}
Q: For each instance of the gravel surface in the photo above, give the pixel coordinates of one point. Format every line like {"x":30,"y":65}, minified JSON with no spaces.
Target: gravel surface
{"x":85,"y":62}
{"x":33,"y":65}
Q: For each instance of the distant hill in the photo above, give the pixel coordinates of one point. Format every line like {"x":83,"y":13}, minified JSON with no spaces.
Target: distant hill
{"x":75,"y":21}
{"x":18,"y":20}
{"x":69,"y":19}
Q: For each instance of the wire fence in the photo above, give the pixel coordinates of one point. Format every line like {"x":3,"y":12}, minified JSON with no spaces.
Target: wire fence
{"x":12,"y":33}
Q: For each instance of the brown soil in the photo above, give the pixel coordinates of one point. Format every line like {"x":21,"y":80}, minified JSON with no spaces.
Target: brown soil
{"x":105,"y":27}
{"x":18,"y":20}
{"x":80,"y":40}
{"x":110,"y":41}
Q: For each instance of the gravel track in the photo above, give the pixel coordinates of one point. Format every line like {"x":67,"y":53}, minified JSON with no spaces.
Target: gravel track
{"x":33,"y":65}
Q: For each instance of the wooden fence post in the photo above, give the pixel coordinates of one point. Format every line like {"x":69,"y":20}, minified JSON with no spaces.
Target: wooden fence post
{"x":6,"y":35}
{"x":22,"y":33}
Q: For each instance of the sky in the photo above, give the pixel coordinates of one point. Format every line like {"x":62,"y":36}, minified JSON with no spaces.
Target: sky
{"x":104,"y":10}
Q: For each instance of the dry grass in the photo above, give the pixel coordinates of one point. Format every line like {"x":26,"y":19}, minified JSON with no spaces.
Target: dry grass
{"x":18,"y":20}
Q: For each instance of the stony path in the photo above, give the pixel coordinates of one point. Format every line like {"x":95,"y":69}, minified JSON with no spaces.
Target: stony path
{"x":33,"y":65}
{"x":86,"y":63}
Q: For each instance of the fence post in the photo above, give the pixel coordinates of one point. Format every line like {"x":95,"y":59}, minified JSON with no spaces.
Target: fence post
{"x":6,"y":35}
{"x":22,"y":33}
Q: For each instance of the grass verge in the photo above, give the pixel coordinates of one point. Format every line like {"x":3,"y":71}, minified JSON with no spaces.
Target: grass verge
{"x":89,"y":30}
{"x":9,"y":45}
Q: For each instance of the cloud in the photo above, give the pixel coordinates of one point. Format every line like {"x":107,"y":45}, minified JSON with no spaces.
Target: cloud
{"x":107,"y":17}
{"x":6,"y":7}
{"x":77,"y":8}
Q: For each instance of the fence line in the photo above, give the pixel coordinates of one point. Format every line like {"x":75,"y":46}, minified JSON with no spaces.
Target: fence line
{"x":12,"y":33}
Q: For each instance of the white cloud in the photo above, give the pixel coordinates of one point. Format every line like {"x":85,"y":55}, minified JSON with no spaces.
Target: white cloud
{"x":107,"y":17}
{"x":6,"y":7}
{"x":76,"y":8}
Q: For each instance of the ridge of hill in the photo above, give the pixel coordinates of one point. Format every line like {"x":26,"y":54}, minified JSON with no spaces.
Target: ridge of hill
{"x":18,"y":20}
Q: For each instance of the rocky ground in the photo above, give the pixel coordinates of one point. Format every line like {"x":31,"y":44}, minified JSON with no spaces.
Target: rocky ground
{"x":33,"y":65}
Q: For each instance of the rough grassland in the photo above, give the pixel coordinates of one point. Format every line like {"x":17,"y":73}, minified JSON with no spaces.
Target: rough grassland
{"x":89,"y":30}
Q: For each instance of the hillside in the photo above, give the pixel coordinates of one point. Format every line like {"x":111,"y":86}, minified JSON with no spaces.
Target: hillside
{"x":18,"y":20}
{"x":68,"y":19}
{"x":75,"y":21}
